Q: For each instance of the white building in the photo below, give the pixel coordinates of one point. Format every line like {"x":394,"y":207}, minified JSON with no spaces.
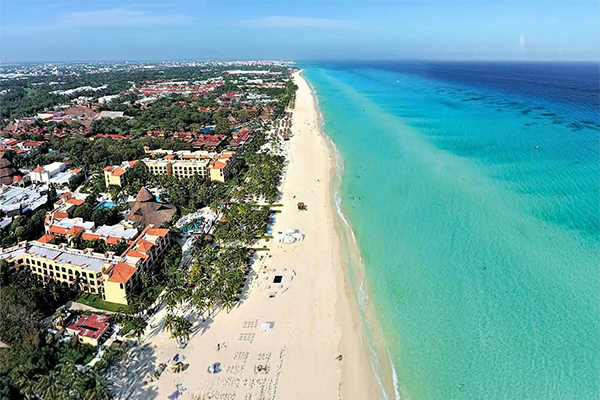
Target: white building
{"x":56,"y":173}
{"x":47,"y":172}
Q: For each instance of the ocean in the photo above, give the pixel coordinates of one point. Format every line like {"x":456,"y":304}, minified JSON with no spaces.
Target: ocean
{"x":473,"y":191}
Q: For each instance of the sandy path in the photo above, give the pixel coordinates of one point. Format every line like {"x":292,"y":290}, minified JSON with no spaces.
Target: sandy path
{"x":314,"y":317}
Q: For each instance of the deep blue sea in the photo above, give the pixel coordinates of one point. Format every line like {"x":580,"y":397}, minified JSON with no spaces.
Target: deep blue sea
{"x":473,"y":190}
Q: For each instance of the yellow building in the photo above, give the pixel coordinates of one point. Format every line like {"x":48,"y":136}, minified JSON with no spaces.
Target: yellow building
{"x":114,"y":175}
{"x":220,"y":166}
{"x":109,"y":275}
{"x":185,"y":164}
{"x":178,"y":168}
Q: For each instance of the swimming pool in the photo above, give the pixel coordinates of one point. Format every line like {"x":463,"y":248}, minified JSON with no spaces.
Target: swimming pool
{"x":105,"y":204}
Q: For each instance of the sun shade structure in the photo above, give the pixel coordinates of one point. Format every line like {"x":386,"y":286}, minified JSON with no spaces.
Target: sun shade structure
{"x":8,"y":173}
{"x":145,"y":210}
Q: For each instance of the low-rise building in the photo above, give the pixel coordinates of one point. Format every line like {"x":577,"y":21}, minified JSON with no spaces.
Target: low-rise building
{"x":109,"y":275}
{"x":114,"y":175}
{"x":55,"y":172}
{"x":187,"y":164}
{"x":17,"y":200}
{"x":90,"y":329}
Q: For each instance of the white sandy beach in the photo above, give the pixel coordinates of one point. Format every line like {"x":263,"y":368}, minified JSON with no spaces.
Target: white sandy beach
{"x":313,"y":312}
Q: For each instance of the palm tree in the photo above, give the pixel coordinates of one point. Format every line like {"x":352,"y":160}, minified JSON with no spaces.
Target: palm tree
{"x":170,"y":322}
{"x":25,"y":385}
{"x":48,"y":386}
{"x":139,"y":327}
{"x":199,"y":299}
{"x":183,"y":328}
{"x":172,"y":295}
{"x":60,"y":317}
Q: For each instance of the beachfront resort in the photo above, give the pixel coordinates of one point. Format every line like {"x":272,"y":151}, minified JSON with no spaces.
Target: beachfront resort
{"x":173,"y":258}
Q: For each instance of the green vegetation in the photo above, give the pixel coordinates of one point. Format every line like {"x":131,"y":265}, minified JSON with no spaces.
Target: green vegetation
{"x":244,"y":223}
{"x":76,"y":181}
{"x":24,"y":227}
{"x":263,"y":177}
{"x":192,"y":194}
{"x":50,"y":371}
{"x":24,"y":301}
{"x":100,"y":246}
{"x":94,"y":300}
{"x":35,"y":366}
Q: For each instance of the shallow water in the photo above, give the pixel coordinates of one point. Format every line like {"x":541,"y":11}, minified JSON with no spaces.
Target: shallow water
{"x":474,"y":194}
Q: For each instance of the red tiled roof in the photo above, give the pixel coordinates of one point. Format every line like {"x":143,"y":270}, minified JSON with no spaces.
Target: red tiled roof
{"x":90,"y":326}
{"x":58,"y":230}
{"x":74,"y":230}
{"x":219,"y":165}
{"x":118,"y":171}
{"x":121,"y":273}
{"x":60,"y":215}
{"x":47,"y":238}
{"x":76,"y":202}
{"x":157,"y":232}
{"x":32,"y":143}
{"x":89,"y":236}
{"x":136,"y":254}
{"x":145,"y":245}
{"x":113,"y":240}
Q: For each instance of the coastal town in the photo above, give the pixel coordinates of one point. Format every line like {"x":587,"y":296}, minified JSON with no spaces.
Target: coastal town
{"x":147,"y":234}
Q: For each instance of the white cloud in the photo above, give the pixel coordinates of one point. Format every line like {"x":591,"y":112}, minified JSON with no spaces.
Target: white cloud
{"x":119,"y":17}
{"x":278,"y":21}
{"x":522,"y":42}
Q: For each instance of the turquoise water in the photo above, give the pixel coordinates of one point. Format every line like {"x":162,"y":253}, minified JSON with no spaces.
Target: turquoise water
{"x":476,"y":211}
{"x":105,"y":204}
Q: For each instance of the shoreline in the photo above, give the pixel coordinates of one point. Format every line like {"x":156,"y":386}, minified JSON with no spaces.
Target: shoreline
{"x":297,"y":316}
{"x":353,"y":273}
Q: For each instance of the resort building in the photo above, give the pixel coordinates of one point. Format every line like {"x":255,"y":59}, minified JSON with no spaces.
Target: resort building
{"x":59,"y":223}
{"x":187,"y":164}
{"x":56,"y":173}
{"x":179,"y":168}
{"x":109,"y":275}
{"x":115,"y":174}
{"x":90,"y":329}
{"x":110,"y":234}
{"x":65,"y":206}
{"x":18,"y":200}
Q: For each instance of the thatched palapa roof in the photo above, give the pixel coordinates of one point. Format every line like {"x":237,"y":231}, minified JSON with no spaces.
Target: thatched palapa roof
{"x":7,"y":171}
{"x":147,"y":211}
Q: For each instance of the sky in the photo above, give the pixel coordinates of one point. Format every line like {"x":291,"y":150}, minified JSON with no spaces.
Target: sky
{"x":132,"y":30}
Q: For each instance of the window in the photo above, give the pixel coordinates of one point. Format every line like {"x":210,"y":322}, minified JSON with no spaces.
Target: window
{"x":121,"y":285}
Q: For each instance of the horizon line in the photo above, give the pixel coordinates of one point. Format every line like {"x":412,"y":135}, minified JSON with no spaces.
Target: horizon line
{"x":135,"y":61}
